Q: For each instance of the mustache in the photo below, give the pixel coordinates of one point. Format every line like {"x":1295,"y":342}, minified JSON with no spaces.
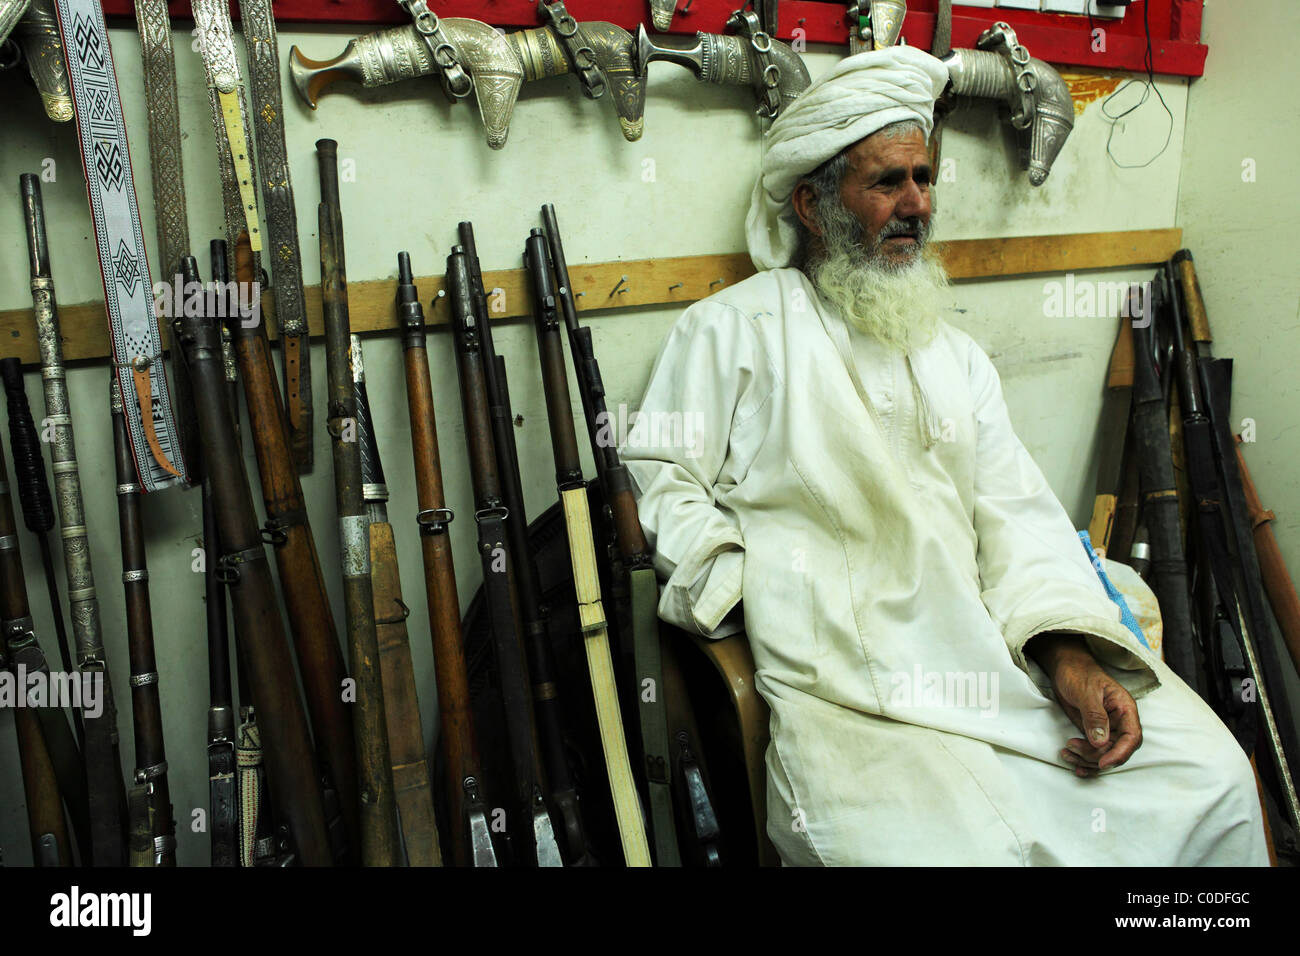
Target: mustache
{"x":911,"y":226}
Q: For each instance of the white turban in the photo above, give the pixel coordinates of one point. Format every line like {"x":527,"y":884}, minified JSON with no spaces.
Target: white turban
{"x":864,"y":93}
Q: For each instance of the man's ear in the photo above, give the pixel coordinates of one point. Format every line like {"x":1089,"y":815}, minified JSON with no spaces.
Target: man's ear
{"x":803,"y":200}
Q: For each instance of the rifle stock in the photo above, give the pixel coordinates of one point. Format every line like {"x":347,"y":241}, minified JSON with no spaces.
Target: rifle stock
{"x":379,"y":829}
{"x":153,"y":832}
{"x":456,"y":740}
{"x":294,"y":777}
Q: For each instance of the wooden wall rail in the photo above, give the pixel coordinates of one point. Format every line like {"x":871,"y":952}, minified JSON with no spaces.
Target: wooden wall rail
{"x":648,"y":282}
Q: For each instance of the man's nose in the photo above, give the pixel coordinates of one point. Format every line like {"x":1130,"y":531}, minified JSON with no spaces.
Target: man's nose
{"x":914,"y":202}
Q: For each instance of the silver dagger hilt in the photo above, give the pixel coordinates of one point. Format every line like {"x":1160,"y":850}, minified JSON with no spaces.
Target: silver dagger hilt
{"x":543,"y":54}
{"x":731,"y":61}
{"x":401,"y":53}
{"x":1037,"y":99}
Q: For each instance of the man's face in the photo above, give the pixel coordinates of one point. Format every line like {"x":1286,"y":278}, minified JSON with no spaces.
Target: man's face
{"x":887,"y":189}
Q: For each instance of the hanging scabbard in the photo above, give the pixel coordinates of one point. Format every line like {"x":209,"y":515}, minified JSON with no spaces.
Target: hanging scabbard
{"x":281,"y":223}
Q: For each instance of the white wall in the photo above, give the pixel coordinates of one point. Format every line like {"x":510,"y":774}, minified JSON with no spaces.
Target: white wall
{"x":421,"y":166}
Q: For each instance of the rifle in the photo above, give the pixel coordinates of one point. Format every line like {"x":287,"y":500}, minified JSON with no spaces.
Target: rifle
{"x":411,"y":779}
{"x":498,"y":575}
{"x":152,"y":830}
{"x":631,"y":570}
{"x":1115,"y":413}
{"x":471,"y":840}
{"x":107,"y":797}
{"x":50,"y":844}
{"x":1252,"y":618}
{"x":288,"y":529}
{"x":34,"y":495}
{"x":1168,"y":567}
{"x":223,"y":790}
{"x":1226,"y":682}
{"x":1277,"y":580}
{"x":379,"y":830}
{"x":242,"y":567}
{"x":536,"y":627}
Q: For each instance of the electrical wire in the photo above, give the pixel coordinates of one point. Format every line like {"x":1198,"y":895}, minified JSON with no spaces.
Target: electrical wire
{"x":1149,"y":64}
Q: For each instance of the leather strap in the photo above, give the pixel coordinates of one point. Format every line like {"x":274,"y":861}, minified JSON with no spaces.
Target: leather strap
{"x":144,"y":393}
{"x":128,"y":283}
{"x":653,"y":713}
{"x":258,"y":24}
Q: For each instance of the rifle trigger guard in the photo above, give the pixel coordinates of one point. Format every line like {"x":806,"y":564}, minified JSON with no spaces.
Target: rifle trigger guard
{"x":434,"y":520}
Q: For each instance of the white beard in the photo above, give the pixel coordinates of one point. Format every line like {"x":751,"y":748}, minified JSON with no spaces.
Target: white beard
{"x":899,"y":306}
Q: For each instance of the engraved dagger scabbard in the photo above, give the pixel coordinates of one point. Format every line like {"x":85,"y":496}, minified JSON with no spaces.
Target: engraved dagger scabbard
{"x":37,"y":34}
{"x":732,"y":61}
{"x":281,"y":223}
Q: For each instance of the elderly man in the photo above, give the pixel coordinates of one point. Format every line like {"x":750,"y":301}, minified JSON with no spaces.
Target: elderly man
{"x":949,"y":683}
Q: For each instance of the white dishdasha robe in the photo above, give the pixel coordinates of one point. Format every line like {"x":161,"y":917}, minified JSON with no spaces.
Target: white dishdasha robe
{"x":896,"y":547}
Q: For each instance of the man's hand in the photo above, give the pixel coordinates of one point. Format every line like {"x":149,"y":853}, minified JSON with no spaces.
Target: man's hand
{"x":1092,"y":699}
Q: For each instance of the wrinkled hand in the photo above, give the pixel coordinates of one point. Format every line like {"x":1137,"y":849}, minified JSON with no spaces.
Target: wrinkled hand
{"x":1093,"y":700}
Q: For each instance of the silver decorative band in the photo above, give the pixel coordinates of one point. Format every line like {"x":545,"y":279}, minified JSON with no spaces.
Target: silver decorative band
{"x":144,"y":680}
{"x":72,"y":531}
{"x":129,"y":576}
{"x":354,"y":543}
{"x":64,"y":467}
{"x":9,"y":543}
{"x":58,"y":419}
{"x":49,"y":372}
{"x":128,"y":489}
{"x":81,"y":594}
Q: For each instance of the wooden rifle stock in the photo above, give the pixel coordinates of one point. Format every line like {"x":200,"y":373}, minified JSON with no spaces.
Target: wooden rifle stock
{"x":50,"y":844}
{"x":1168,"y":577}
{"x":291,"y":762}
{"x":1275,"y":709}
{"x":152,"y":830}
{"x":288,"y":529}
{"x":582,"y":548}
{"x":1277,"y":579}
{"x":459,"y":748}
{"x":534,"y":623}
{"x":379,"y":829}
{"x":498,"y":569}
{"x":412,"y":786}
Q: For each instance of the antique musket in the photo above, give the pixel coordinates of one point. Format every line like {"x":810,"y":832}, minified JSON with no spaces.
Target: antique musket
{"x":750,"y":57}
{"x":601,"y":54}
{"x":243,"y":568}
{"x":471,"y":837}
{"x":379,"y":827}
{"x":47,"y":752}
{"x":412,"y":778}
{"x":152,"y":835}
{"x":103,"y":762}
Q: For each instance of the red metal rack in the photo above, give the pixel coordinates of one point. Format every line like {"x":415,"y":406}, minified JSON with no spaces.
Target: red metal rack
{"x":1061,"y":39}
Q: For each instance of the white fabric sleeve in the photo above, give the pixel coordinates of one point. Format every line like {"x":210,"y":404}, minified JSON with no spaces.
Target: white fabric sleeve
{"x":711,"y":374}
{"x":1034,"y":576}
